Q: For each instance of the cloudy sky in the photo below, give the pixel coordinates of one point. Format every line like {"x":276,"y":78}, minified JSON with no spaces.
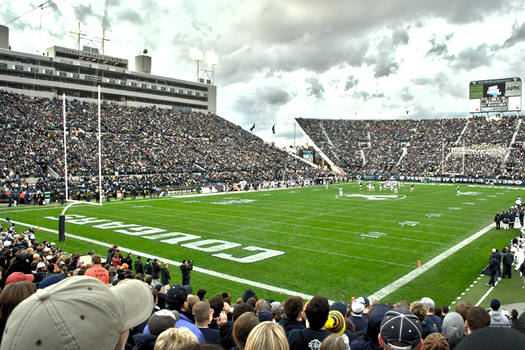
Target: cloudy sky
{"x":301,"y":58}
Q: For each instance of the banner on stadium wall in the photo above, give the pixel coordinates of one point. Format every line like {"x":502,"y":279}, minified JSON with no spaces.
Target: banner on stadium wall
{"x":442,"y":179}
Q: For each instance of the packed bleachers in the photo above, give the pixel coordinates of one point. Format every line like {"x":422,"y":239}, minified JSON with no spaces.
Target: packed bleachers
{"x":420,"y":147}
{"x":145,"y":146}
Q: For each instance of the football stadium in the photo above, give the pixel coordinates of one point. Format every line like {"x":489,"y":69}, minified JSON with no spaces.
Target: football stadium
{"x":138,"y":212}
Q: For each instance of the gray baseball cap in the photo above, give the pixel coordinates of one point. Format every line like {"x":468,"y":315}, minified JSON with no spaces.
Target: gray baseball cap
{"x":79,"y":312}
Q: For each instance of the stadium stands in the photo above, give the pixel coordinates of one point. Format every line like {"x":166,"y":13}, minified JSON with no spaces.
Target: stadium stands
{"x":142,"y":147}
{"x":475,"y":147}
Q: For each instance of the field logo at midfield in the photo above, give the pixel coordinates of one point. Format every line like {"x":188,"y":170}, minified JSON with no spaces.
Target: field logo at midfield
{"x":433,"y":215}
{"x":373,"y":234}
{"x":470,"y":193}
{"x":408,"y":223}
{"x":469,"y":203}
{"x":378,"y":197}
{"x":185,"y":240}
{"x":454,"y":208}
{"x":234,"y":201}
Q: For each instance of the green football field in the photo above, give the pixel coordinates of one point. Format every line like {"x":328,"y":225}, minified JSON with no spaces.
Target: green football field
{"x":304,"y":241}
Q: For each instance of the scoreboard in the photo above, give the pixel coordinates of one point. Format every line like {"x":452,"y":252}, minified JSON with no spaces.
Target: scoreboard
{"x":497,"y":95}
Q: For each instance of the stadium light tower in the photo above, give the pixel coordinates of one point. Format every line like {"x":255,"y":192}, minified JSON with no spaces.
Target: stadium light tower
{"x":197,"y":56}
{"x":212,"y":59}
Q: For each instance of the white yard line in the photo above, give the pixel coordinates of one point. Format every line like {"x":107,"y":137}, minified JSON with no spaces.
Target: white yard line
{"x":176,"y":263}
{"x":392,"y":287}
{"x":487,"y":293}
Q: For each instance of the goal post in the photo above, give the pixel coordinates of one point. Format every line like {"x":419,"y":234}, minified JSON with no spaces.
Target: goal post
{"x":70,"y":202}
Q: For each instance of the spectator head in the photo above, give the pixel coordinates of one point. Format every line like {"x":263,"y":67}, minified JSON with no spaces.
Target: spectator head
{"x":462,"y":308}
{"x":248,"y":294}
{"x":493,"y":338}
{"x":192,"y":300}
{"x":519,"y":325}
{"x":203,"y":313}
{"x":477,"y":318}
{"x":277,"y":310}
{"x":201,"y":293}
{"x":340,"y":306}
{"x":175,"y":338}
{"x":453,"y":327}
{"x":445,"y":310}
{"x":50,"y":280}
{"x":19,"y":276}
{"x":267,"y":335}
{"x":400,"y":329}
{"x":242,"y":328}
{"x":429,"y":304}
{"x":419,"y":309}
{"x":333,"y":342}
{"x":96,"y":259}
{"x":252,"y":301}
{"x":495,"y":304}
{"x":317,"y":312}
{"x":241,"y":309}
{"x":435,"y":341}
{"x":41,"y":266}
{"x":366,"y":302}
{"x":336,"y":322}
{"x":262,"y":305}
{"x":217,"y":304}
{"x":12,"y":295}
{"x":293,"y":307}
{"x":227,"y":297}
{"x":162,"y":320}
{"x":177,"y":298}
{"x":374,"y":322}
{"x":75,"y":312}
{"x":357,"y":307}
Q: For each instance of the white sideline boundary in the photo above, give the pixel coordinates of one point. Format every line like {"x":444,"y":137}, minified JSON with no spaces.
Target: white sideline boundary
{"x":383,"y":292}
{"x":177,"y":263}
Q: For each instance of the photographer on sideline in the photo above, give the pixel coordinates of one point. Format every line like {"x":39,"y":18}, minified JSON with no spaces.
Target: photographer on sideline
{"x":185,"y":268}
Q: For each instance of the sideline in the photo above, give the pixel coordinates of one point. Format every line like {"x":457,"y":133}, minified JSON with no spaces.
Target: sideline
{"x":177,"y":263}
{"x":392,"y":287}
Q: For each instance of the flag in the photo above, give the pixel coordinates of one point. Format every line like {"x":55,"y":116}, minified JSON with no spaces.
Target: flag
{"x":273,"y":129}
{"x":253,"y":127}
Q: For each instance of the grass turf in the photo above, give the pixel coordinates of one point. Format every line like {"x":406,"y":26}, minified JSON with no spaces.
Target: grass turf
{"x":328,"y":240}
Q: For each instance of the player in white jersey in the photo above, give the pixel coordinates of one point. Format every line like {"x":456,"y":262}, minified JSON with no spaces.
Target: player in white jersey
{"x":340,"y":191}
{"x":458,"y":191}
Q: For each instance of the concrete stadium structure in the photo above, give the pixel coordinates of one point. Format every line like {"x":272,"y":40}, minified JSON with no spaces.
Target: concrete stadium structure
{"x":78,"y":72}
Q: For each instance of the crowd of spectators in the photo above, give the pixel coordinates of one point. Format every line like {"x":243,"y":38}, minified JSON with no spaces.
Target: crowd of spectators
{"x":145,"y":146}
{"x":52,"y":301}
{"x":422,"y":147}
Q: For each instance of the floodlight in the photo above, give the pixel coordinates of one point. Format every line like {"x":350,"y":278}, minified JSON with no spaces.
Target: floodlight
{"x":212,"y":58}
{"x":196,"y":54}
